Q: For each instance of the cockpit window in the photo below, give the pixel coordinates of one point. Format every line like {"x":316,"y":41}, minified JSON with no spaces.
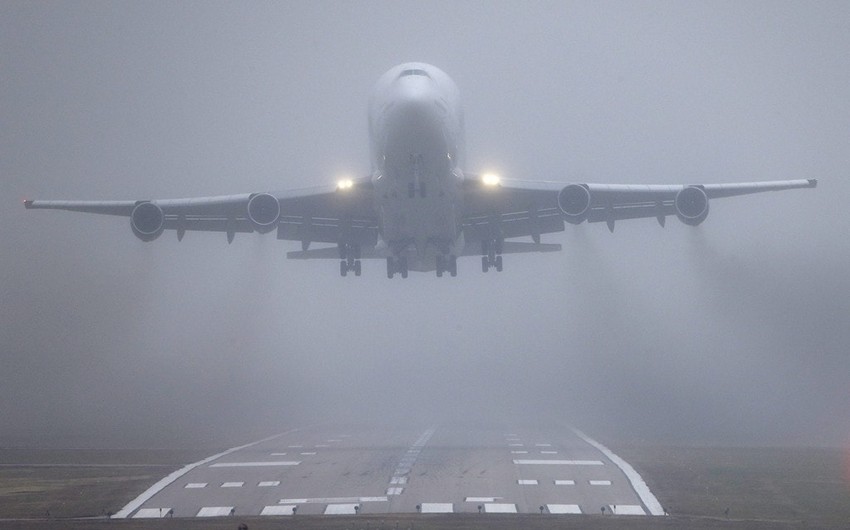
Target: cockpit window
{"x":414,"y":72}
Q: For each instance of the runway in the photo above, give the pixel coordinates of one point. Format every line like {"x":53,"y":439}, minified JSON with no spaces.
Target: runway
{"x":429,"y":469}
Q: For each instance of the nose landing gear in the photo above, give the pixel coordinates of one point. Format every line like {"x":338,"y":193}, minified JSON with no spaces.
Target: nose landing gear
{"x":492,"y":250}
{"x":446,"y":263}
{"x":350,"y":259}
{"x":396,"y":265}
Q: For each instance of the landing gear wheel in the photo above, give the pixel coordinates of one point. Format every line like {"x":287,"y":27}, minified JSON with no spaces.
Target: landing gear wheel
{"x":357,"y":268}
{"x":343,"y":269}
{"x":485,"y":264}
{"x":498,"y":263}
{"x":390,"y":268}
{"x":453,"y":266}
{"x":441,"y":266}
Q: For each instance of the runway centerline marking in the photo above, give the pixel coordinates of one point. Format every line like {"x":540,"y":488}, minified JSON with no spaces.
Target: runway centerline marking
{"x":232,"y":484}
{"x":268,"y":483}
{"x":527,"y":482}
{"x":599,"y":482}
{"x":565,"y":482}
{"x":195,"y":485}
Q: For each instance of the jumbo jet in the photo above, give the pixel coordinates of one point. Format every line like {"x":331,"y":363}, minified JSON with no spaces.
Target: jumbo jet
{"x":418,"y":209}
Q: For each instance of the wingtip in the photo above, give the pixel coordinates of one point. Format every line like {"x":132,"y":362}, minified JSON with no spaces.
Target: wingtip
{"x":813,"y":183}
{"x":27,"y":203}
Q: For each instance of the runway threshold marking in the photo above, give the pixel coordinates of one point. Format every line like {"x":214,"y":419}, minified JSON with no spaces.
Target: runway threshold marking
{"x":168,"y":480}
{"x":563,"y":508}
{"x":277,"y":510}
{"x":436,"y":507}
{"x":341,"y":509}
{"x":481,"y":499}
{"x":627,"y":509}
{"x":151,"y":513}
{"x":638,"y":484}
{"x":214,"y":511}
{"x":499,"y":508}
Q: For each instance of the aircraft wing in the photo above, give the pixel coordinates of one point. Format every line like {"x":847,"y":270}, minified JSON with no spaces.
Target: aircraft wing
{"x":514,"y":208}
{"x":306,"y":215}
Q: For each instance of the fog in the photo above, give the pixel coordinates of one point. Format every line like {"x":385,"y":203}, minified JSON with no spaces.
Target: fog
{"x":734,"y":332}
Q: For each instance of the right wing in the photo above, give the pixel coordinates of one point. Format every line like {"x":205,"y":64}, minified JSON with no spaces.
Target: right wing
{"x":327,"y":214}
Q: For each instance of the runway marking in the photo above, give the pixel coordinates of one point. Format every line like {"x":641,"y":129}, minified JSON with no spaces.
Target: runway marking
{"x":268,"y":483}
{"x":627,"y":509}
{"x":559,"y":462}
{"x":565,"y":482}
{"x":635,"y":479}
{"x":407,"y":461}
{"x":499,"y":508}
{"x":527,"y":482}
{"x":436,"y":507}
{"x":515,"y":445}
{"x":257,"y":464}
{"x":519,"y":452}
{"x":542,"y":445}
{"x":398,"y":480}
{"x":563,"y":508}
{"x":195,"y":485}
{"x":278,"y":454}
{"x":232,"y":484}
{"x":599,"y":482}
{"x":333,"y":500}
{"x":394,"y":491}
{"x":341,"y":509}
{"x":296,"y":446}
{"x":548,"y":452}
{"x":308,"y":454}
{"x":277,"y":510}
{"x":168,"y":480}
{"x":151,"y":513}
{"x":481,"y":499}
{"x":214,"y":511}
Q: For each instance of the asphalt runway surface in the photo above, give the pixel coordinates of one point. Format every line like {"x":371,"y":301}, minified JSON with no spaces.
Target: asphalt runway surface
{"x":378,"y":470}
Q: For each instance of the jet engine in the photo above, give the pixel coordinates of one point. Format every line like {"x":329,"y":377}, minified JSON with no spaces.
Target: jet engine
{"x":263,"y":212}
{"x":147,"y":221}
{"x":574,"y":202}
{"x":692,"y":205}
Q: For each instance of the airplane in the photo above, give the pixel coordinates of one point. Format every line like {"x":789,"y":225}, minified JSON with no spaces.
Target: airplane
{"x":418,"y":209}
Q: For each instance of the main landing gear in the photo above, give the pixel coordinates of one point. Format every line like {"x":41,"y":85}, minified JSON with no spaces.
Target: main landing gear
{"x":446,"y":264}
{"x":492,"y":250}
{"x":396,"y":265}
{"x":350,"y":256}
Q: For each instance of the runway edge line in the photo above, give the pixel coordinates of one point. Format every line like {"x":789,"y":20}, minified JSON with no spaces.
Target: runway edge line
{"x":638,"y":484}
{"x":136,"y":503}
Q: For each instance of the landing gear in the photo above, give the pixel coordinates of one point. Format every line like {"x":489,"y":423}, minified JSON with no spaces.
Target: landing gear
{"x":492,"y":250}
{"x":446,"y":264}
{"x":396,"y":265}
{"x":350,"y":256}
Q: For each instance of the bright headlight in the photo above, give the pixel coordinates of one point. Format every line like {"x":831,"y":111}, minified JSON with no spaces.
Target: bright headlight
{"x":345,"y":184}
{"x":490,"y":179}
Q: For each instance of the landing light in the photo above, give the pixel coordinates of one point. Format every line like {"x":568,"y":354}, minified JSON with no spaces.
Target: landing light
{"x":490,"y":179}
{"x":345,"y":184}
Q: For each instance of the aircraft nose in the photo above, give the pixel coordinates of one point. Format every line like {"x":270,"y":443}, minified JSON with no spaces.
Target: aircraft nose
{"x":416,"y":96}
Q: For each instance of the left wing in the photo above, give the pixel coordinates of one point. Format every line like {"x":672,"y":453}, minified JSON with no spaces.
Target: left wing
{"x":513,"y":208}
{"x":329,"y":214}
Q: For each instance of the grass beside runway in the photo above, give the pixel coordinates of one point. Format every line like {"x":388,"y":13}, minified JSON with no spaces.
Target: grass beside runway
{"x":763,"y":488}
{"x":80,"y":482}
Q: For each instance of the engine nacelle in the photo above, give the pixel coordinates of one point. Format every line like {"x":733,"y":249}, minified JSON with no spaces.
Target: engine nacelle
{"x":263,"y":212}
{"x":147,"y":221}
{"x":692,"y":205}
{"x":574,"y":202}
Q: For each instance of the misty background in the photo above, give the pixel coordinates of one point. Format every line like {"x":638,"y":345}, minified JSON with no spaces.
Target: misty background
{"x":735,"y":332}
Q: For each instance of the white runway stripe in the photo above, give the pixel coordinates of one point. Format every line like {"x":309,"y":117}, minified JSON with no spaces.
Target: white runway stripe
{"x":232,"y":484}
{"x":151,"y":513}
{"x":257,"y":464}
{"x":563,"y":508}
{"x":214,"y":511}
{"x":341,"y":509}
{"x":481,"y":499}
{"x":437,"y":507}
{"x":277,"y":510}
{"x":499,"y":508}
{"x":627,"y":509}
{"x":527,"y":482}
{"x":195,"y":485}
{"x":565,"y":482}
{"x":599,"y":482}
{"x":268,"y":483}
{"x":333,"y":500}
{"x":394,"y":491}
{"x":559,"y":462}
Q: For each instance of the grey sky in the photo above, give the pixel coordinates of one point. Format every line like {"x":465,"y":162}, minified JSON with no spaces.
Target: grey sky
{"x":734,"y":332}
